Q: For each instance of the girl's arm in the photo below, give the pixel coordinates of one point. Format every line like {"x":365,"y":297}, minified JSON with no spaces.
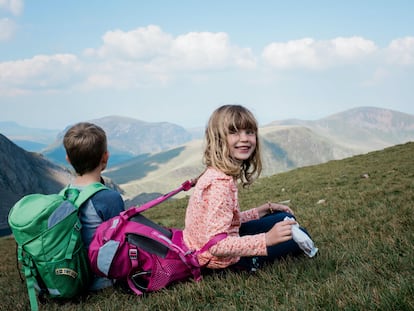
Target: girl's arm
{"x":269,"y":208}
{"x":263,"y":210}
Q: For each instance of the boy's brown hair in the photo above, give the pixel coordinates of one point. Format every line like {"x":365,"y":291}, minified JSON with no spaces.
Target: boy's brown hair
{"x":85,"y":144}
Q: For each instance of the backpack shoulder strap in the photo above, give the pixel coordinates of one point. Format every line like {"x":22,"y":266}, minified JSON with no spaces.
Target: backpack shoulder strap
{"x":187,"y":185}
{"x":87,"y":192}
{"x":80,"y":197}
{"x":213,"y":241}
{"x":30,"y":274}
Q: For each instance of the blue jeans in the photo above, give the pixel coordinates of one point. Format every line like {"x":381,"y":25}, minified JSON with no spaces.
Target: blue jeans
{"x":281,"y":250}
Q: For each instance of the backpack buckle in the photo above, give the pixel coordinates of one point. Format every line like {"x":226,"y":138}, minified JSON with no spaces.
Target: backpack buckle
{"x":141,"y":280}
{"x":78,"y":226}
{"x":133,"y":254}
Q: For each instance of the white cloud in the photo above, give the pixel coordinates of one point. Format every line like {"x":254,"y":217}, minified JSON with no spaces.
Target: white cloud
{"x":7,"y":26}
{"x":13,"y":6}
{"x":161,"y":51}
{"x":313,"y":54}
{"x":7,"y":29}
{"x":99,"y":80}
{"x":140,"y":44}
{"x":351,"y":48}
{"x":401,"y":51}
{"x":119,"y":75}
{"x":148,"y":56}
{"x":204,"y":50}
{"x":296,"y":53}
{"x":39,"y":72}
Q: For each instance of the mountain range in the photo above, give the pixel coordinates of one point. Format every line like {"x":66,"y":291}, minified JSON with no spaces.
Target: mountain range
{"x":286,"y":145}
{"x":152,"y":158}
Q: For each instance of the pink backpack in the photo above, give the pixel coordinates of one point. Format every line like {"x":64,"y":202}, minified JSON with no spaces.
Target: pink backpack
{"x":132,"y":248}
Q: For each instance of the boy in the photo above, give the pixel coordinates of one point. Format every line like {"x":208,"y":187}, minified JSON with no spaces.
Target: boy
{"x":86,"y":150}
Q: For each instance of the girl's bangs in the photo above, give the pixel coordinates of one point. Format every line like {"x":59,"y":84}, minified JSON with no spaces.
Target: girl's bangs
{"x":241,"y":122}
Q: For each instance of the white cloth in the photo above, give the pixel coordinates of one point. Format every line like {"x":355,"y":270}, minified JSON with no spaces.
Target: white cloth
{"x":302,"y":239}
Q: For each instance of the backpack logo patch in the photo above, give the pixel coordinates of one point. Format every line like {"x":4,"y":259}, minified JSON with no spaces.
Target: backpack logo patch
{"x":66,"y":271}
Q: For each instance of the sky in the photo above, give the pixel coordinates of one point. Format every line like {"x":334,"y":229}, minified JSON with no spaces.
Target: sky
{"x":63,"y":62}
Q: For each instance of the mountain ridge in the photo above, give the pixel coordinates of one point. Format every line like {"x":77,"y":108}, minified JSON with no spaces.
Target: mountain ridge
{"x":127,"y":138}
{"x":24,"y":172}
{"x":287,"y":144}
{"x":364,"y":122}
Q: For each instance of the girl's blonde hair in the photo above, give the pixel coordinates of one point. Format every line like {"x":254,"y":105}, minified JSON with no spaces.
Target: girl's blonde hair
{"x":224,"y":120}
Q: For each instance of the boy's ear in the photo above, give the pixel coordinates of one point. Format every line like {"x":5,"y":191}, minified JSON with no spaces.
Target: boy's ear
{"x":105,"y":157}
{"x":104,"y":160}
{"x":67,"y":159}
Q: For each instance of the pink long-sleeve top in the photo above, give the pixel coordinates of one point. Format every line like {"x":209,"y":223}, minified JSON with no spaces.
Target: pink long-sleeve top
{"x":213,"y":208}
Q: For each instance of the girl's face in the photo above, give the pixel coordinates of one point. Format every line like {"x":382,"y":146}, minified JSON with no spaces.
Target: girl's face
{"x":242,"y":144}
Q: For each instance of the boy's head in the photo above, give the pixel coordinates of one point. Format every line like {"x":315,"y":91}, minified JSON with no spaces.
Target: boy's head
{"x":86,"y":147}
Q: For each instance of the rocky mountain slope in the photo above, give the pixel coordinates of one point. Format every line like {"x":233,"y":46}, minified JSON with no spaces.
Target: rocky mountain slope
{"x":23,"y":172}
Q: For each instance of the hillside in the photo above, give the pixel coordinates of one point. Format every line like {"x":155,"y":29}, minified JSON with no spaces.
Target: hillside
{"x":284,"y":148}
{"x":362,"y":129}
{"x":159,"y":172}
{"x":359,"y":211}
{"x":23,"y":172}
{"x":286,"y":145}
{"x":289,"y":147}
{"x":150,"y":158}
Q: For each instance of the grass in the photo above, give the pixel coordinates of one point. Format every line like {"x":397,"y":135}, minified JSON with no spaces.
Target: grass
{"x":363,"y":229}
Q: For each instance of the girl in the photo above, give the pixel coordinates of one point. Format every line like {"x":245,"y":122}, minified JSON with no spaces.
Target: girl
{"x":255,"y":236}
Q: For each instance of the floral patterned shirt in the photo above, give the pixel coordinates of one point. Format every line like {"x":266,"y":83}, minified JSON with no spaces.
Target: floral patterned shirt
{"x":213,"y":208}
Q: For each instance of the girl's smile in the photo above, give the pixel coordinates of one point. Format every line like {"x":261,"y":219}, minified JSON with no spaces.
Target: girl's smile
{"x":242,"y":144}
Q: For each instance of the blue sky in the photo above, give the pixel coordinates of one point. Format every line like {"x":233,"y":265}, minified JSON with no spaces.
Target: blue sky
{"x":63,"y":62}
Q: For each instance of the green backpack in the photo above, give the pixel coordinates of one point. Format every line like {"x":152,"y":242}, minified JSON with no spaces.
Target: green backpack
{"x":47,"y":230}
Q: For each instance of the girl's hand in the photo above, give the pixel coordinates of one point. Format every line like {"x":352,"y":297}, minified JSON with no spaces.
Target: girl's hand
{"x":280,"y":232}
{"x":270,"y":208}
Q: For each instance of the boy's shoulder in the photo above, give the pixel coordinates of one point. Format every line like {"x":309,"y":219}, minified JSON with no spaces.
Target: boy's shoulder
{"x":108,"y":196}
{"x":105,"y":196}
{"x":107,"y":203}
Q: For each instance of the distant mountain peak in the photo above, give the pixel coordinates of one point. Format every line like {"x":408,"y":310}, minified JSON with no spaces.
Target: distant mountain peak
{"x":374,"y":118}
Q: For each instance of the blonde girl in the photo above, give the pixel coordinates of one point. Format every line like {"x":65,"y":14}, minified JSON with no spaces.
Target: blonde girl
{"x":254,"y":236}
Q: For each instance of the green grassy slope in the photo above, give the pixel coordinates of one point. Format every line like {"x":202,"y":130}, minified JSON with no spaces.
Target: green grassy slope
{"x":362,"y":225}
